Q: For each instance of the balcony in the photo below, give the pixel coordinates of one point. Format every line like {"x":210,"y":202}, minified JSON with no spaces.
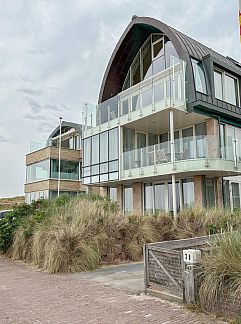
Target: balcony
{"x":161,"y":91}
{"x":184,"y":155}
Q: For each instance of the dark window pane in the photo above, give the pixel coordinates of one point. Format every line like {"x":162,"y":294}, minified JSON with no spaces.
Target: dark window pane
{"x":199,"y":76}
{"x":135,"y":102}
{"x":146,"y":60}
{"x":136,"y":73}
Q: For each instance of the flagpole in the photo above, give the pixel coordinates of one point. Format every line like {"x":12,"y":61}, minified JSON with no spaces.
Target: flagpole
{"x":60,"y":134}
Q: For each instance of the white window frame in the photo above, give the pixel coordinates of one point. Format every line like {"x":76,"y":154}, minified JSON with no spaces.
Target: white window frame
{"x":224,"y":94}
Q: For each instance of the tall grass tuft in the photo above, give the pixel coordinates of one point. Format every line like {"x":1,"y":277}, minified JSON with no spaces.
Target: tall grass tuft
{"x":221,"y":270}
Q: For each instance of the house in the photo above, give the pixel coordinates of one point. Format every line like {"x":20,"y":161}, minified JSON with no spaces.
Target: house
{"x":42,"y":165}
{"x":166,"y":133}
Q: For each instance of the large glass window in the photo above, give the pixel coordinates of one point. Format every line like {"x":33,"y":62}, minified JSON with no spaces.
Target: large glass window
{"x":226,"y":87}
{"x":136,"y":71}
{"x":210,"y":193}
{"x":128,"y":199}
{"x":148,"y":198}
{"x":218,"y":85}
{"x":146,"y":60}
{"x":188,"y":192}
{"x":160,"y":197}
{"x":38,"y":171}
{"x":104,"y":146}
{"x":113,"y":193}
{"x":113,"y":144}
{"x":68,"y":169}
{"x":87,"y":151}
{"x":95,"y":149}
{"x":153,"y":57}
{"x":199,"y":76}
{"x":235,"y":195}
{"x":231,"y":90}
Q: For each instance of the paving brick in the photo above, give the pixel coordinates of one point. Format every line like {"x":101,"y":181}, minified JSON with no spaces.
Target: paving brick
{"x":28,"y":295}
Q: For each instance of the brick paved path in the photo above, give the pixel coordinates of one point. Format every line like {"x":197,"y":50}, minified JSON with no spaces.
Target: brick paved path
{"x":31,"y":296}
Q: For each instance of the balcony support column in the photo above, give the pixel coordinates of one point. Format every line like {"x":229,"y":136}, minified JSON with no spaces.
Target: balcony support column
{"x":174,"y":194}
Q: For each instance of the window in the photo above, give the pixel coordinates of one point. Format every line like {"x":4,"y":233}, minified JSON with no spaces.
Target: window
{"x":188,"y":192}
{"x":128,"y":199}
{"x":68,"y":170}
{"x":113,"y":193}
{"x":160,"y":197}
{"x":38,"y":171}
{"x":113,"y":144}
{"x":103,"y":146}
{"x":218,"y":87}
{"x":226,"y":87}
{"x":148,"y":198}
{"x":235,"y":195}
{"x":210,"y":193}
{"x":87,"y":151}
{"x":199,"y":76}
{"x":231,"y":89}
{"x":95,"y":149}
{"x":153,"y":57}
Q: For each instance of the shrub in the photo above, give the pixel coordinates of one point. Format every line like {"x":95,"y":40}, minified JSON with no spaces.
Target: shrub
{"x":14,"y":219}
{"x":221,"y":270}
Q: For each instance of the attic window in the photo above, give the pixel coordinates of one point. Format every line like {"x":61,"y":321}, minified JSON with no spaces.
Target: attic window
{"x":199,"y":76}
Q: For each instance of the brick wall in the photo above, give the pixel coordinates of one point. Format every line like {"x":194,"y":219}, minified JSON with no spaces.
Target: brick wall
{"x":65,"y":185}
{"x":53,"y":153}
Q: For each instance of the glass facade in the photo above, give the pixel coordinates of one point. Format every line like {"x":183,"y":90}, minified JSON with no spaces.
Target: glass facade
{"x":158,"y":196}
{"x":48,"y":169}
{"x":101,"y":157}
{"x":38,"y":171}
{"x":153,"y":57}
{"x":69,"y":170}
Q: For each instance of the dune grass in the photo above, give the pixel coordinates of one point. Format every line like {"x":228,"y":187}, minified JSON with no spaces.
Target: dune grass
{"x":78,"y":234}
{"x":221,"y":271}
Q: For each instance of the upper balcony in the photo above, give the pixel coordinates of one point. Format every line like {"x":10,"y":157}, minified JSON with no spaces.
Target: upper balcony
{"x":154,"y":94}
{"x":190,"y":155}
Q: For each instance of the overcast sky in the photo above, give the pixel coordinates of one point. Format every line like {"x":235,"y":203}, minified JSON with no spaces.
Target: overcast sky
{"x":53,"y":55}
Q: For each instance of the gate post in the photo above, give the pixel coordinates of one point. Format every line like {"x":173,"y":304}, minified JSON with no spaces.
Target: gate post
{"x":190,"y":258}
{"x":146,"y":276}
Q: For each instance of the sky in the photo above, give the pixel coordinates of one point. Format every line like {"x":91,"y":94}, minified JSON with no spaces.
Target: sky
{"x":53,"y":55}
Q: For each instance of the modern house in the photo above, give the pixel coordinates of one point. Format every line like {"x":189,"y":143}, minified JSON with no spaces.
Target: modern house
{"x":166,"y":132}
{"x":42,"y":165}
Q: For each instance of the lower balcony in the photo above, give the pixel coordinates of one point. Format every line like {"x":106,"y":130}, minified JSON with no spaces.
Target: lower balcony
{"x":190,"y":155}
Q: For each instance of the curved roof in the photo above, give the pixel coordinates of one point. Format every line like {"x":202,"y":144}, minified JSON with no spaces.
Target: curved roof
{"x":130,"y":42}
{"x":65,"y":125}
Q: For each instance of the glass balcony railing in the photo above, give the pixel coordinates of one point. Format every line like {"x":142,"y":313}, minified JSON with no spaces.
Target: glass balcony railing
{"x":187,"y":148}
{"x":65,"y":175}
{"x":163,"y":90}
